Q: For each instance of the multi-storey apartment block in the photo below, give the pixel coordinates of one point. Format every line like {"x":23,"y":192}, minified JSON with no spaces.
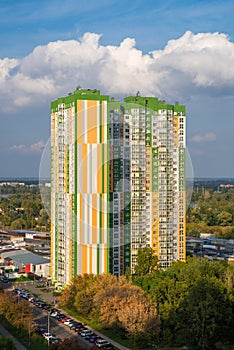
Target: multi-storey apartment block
{"x":117,"y":183}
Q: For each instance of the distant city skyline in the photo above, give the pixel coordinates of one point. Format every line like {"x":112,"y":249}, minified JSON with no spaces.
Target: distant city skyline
{"x":176,"y":51}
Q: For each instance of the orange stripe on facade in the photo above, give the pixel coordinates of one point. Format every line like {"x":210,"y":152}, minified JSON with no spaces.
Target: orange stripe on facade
{"x":94,"y":219}
{"x":84,"y":259}
{"x":90,"y":259}
{"x":92,"y":122}
{"x":99,"y":168}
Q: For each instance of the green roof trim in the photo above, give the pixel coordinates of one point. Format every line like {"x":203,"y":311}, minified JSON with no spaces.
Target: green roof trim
{"x":81,"y":94}
{"x":154,"y":103}
{"x":87,"y":94}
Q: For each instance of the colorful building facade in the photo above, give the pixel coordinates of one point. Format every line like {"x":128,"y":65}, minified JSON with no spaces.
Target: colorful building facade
{"x":117,"y":183}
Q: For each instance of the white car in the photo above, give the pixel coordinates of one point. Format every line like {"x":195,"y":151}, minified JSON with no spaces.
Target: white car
{"x":86,"y":332}
{"x":54,"y":313}
{"x":68,"y":321}
{"x":100,"y":343}
{"x":47,"y":336}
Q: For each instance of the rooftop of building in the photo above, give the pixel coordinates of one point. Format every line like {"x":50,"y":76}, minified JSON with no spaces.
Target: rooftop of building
{"x":93,"y":94}
{"x":23,"y":257}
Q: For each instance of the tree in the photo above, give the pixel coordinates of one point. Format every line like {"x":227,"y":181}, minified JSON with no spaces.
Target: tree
{"x":18,"y":224}
{"x":224,"y":218}
{"x":6,"y":343}
{"x":205,"y":314}
{"x":146,"y":262}
{"x":18,"y":313}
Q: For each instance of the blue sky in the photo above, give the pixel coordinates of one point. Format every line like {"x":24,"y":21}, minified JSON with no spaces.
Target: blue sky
{"x":176,"y":50}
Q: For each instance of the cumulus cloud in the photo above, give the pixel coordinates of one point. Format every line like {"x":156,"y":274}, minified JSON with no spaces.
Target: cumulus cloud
{"x":32,"y":149}
{"x":191,"y":65}
{"x":207,"y":137}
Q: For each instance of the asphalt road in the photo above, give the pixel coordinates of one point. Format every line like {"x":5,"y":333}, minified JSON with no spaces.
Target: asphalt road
{"x":58,"y":329}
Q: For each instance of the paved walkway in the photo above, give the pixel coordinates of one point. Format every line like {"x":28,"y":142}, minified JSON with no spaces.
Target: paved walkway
{"x":17,"y":344}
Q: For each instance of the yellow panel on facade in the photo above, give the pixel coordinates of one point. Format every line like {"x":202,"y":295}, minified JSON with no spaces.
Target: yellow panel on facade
{"x":90,"y":257}
{"x":99,"y":168}
{"x":84,"y":258}
{"x":92,"y":121}
{"x":94,"y":219}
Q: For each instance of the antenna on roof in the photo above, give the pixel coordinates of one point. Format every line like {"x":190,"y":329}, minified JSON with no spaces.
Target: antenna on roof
{"x":78,"y":87}
{"x":138,"y":93}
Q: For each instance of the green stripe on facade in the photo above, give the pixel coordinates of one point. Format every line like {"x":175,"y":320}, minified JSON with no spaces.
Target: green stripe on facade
{"x":100,"y":125}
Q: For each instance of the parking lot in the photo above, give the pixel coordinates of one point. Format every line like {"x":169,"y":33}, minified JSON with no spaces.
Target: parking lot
{"x":52,"y":324}
{"x":56,"y":327}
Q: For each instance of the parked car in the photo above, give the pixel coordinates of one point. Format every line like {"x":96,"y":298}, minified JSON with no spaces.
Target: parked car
{"x":93,"y":338}
{"x":54,"y":340}
{"x":4,"y":279}
{"x":60,"y":316}
{"x":30,"y":298}
{"x":89,"y":335}
{"x":75,"y":325}
{"x":40,"y":330}
{"x":47,"y":336}
{"x":81,"y":329}
{"x":68,"y":321}
{"x":100,"y":343}
{"x":86,"y":332}
{"x":54,"y":313}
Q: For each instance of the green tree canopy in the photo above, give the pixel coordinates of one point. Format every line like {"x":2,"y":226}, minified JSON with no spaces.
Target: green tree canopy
{"x":146,"y":262}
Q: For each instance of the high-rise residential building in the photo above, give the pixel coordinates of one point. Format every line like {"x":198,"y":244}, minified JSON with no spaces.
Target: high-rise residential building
{"x":117,"y":183}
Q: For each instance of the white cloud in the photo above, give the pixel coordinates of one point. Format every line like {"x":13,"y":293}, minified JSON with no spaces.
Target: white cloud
{"x":207,"y":137}
{"x":32,"y":149}
{"x":191,"y":65}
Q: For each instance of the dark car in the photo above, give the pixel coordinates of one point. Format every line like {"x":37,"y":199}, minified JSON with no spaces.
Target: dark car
{"x":46,"y":307}
{"x":4,"y":279}
{"x":81,"y":329}
{"x":89,"y":335}
{"x":73,"y":325}
{"x":60,"y":316}
{"x":76,"y":325}
{"x":93,"y":338}
{"x":40,"y":330}
{"x":54,"y":340}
